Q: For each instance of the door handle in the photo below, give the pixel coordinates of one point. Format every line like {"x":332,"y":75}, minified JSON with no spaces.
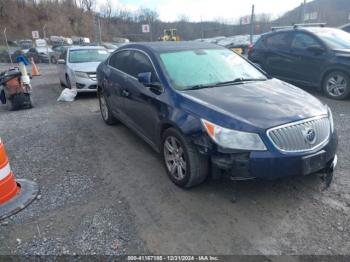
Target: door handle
{"x":125,"y":93}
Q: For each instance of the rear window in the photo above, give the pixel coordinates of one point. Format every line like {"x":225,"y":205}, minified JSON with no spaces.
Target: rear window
{"x":303,"y":41}
{"x":335,"y":38}
{"x":279,"y":40}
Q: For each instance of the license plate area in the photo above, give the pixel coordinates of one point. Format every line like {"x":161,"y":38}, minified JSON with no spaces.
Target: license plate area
{"x":314,"y":163}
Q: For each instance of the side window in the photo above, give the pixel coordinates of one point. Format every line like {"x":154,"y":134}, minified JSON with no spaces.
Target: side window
{"x":32,"y":50}
{"x":279,"y":40}
{"x":140,"y":63}
{"x":303,"y":41}
{"x":120,"y":61}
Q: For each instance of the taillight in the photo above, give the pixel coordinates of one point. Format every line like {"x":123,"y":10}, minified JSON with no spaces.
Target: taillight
{"x":250,"y":49}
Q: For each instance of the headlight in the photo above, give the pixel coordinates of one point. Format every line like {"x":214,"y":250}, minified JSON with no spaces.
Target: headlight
{"x":330,"y":116}
{"x":81,"y":74}
{"x":233,"y":139}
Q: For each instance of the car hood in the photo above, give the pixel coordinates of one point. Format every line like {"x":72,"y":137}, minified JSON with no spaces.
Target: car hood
{"x":84,"y":67}
{"x":259,"y":104}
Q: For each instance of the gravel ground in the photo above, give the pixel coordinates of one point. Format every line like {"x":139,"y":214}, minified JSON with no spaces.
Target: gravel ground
{"x":104,"y":191}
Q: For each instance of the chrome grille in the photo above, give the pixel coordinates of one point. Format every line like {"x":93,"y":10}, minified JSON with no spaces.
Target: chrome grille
{"x":292,"y":137}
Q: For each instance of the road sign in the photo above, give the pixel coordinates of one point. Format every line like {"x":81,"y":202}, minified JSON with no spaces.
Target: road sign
{"x":35,"y":34}
{"x":145,"y":28}
{"x":311,"y":16}
{"x":246,"y":20}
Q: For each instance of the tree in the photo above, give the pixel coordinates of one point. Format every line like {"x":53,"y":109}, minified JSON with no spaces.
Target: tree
{"x":88,"y":5}
{"x":147,"y":15}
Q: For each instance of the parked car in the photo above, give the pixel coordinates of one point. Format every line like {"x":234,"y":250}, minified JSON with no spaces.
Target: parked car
{"x":240,"y":43}
{"x":77,"y":67}
{"x":213,"y":40}
{"x":60,"y":41}
{"x":201,"y":105}
{"x":111,"y":47}
{"x":80,"y":40}
{"x":25,"y":45}
{"x":40,"y":54}
{"x":57,"y":51}
{"x":12,"y":49}
{"x":346,"y":28}
{"x":312,"y":56}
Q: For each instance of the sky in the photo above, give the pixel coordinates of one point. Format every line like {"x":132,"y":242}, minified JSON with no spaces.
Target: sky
{"x":207,"y":10}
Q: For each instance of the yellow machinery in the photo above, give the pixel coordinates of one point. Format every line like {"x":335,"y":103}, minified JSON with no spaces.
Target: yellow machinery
{"x":170,"y":35}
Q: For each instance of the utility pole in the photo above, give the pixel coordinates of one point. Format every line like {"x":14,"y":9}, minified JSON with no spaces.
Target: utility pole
{"x":252,"y":25}
{"x":8,"y":48}
{"x":303,"y":12}
{"x":150,"y":30}
{"x":98,"y":34}
{"x":99,"y":31}
{"x":47,"y":47}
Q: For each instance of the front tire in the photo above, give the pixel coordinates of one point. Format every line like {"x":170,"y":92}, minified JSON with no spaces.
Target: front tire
{"x":106,"y":113}
{"x":336,"y":85}
{"x":185,"y":166}
{"x":68,"y":82}
{"x":53,"y":60}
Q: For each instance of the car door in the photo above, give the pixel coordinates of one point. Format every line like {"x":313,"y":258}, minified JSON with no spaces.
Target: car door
{"x":115,"y":80}
{"x":141,"y":102}
{"x":307,"y":63}
{"x":277,"y":54}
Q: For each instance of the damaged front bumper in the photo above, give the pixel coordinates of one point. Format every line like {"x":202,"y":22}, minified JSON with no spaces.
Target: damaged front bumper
{"x":273,"y":164}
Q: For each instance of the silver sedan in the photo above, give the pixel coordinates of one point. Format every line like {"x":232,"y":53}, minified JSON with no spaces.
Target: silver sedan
{"x":77,"y":67}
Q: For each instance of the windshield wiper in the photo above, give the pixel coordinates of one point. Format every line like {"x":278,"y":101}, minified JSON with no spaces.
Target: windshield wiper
{"x":235,"y":81}
{"x":240,"y":80}
{"x":196,"y":87}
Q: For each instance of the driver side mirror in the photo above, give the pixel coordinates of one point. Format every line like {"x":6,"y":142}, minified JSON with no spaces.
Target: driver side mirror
{"x":146,"y":80}
{"x":61,"y":61}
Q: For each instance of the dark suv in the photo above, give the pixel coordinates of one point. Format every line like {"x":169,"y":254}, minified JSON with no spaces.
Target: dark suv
{"x":310,"y":56}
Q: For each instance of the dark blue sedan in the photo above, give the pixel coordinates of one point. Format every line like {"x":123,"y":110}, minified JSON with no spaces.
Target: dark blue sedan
{"x":205,"y":109}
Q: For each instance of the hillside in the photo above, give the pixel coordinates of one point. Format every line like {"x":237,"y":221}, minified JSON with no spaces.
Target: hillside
{"x":77,"y":18}
{"x":333,"y":12}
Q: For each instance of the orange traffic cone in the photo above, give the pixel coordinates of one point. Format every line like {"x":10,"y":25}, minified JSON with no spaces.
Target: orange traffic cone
{"x":35,"y":71}
{"x":14,"y":195}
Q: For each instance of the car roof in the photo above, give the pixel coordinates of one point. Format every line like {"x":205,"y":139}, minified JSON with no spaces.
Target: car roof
{"x":73,"y":48}
{"x":160,"y":47}
{"x":311,"y":29}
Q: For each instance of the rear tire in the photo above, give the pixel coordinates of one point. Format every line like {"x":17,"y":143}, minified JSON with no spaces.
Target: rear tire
{"x":10,"y":105}
{"x":336,"y":85}
{"x":53,"y":60}
{"x":185,"y":166}
{"x":106,"y":113}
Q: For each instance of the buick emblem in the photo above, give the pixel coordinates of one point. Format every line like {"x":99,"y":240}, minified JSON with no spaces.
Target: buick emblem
{"x":310,"y":135}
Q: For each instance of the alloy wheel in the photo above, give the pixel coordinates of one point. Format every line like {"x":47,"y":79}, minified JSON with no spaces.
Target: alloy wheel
{"x":174,"y":158}
{"x":336,"y":85}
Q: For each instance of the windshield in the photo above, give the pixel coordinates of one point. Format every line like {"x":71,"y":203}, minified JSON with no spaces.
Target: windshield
{"x":335,"y":38}
{"x":87,"y":55}
{"x":206,"y":66}
{"x":26,"y":44}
